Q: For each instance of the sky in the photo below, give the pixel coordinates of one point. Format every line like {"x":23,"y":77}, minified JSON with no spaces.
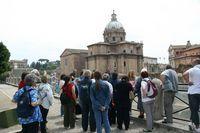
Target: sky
{"x":34,"y":29}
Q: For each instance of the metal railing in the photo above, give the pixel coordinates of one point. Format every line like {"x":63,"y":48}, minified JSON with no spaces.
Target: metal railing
{"x":181,"y":100}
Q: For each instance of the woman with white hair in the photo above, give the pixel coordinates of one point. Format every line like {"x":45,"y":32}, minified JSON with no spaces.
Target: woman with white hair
{"x":46,"y":98}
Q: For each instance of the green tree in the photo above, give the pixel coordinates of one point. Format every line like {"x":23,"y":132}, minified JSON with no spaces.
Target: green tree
{"x":32,"y":65}
{"x":4,"y":58}
{"x":38,"y":66}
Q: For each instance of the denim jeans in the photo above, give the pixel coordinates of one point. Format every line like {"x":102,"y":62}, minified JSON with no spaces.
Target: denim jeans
{"x":99,"y":116}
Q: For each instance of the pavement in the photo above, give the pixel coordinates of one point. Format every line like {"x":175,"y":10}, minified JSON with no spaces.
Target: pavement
{"x":55,"y":121}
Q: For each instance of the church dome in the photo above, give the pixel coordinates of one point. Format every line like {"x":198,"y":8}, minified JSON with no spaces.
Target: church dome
{"x":114,"y":31}
{"x":113,"y":24}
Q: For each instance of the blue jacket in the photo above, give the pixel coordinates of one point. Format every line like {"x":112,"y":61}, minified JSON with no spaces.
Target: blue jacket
{"x":100,"y":97}
{"x":37,"y":116}
{"x":138,"y":86}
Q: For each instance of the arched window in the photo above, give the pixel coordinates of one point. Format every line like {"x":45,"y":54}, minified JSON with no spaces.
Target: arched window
{"x":106,"y":39}
{"x":113,"y":38}
{"x":124,"y":63}
{"x":115,"y":65}
{"x":91,"y":53}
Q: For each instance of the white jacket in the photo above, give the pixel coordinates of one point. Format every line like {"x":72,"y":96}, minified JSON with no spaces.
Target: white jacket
{"x":45,"y":95}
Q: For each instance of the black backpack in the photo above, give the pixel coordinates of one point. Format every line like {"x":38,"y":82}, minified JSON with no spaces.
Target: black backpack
{"x":64,"y":99}
{"x":24,"y":107}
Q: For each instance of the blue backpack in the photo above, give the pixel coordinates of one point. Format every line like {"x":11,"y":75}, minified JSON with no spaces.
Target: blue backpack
{"x":84,"y":89}
{"x":24,"y":107}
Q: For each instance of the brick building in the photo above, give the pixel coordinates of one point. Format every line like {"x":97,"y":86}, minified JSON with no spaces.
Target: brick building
{"x":183,"y":54}
{"x":73,"y":60}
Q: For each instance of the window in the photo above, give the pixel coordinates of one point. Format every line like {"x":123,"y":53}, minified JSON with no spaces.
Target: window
{"x":91,"y":53}
{"x":131,"y":51}
{"x":124,"y":51}
{"x":121,"y":39}
{"x":124,"y":63}
{"x":108,"y":51}
{"x":113,"y":38}
{"x":115,"y":65}
{"x":65,"y":62}
{"x":106,"y":39}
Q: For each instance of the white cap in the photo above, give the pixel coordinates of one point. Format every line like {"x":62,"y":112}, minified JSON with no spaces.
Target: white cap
{"x":143,"y":70}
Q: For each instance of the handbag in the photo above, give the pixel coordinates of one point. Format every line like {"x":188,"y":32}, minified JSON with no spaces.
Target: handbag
{"x":131,"y":95}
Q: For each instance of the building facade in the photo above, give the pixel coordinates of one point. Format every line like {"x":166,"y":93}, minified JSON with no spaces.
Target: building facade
{"x":115,"y":54}
{"x":73,"y":60}
{"x":152,"y":65}
{"x":19,"y":63}
{"x":183,"y":54}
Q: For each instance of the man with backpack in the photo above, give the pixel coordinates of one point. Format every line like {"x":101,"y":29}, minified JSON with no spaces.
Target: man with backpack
{"x":170,"y":85}
{"x":85,"y":101}
{"x":28,"y":110}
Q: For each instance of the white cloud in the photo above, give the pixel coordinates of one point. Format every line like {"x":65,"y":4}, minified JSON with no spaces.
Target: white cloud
{"x":50,"y":26}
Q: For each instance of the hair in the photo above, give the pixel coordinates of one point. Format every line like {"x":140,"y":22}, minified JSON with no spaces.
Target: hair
{"x":36,"y":72}
{"x":81,"y":73}
{"x":30,"y":79}
{"x":44,"y":79}
{"x":66,"y":79}
{"x":131,"y":75}
{"x":144,"y":74}
{"x":92,"y":75}
{"x":87,"y":73}
{"x":24,"y":75}
{"x":196,"y":62}
{"x":114,"y":76}
{"x":97,"y":77}
{"x":124,"y":78}
{"x":105,"y":76}
{"x":62,"y":76}
{"x":168,"y":67}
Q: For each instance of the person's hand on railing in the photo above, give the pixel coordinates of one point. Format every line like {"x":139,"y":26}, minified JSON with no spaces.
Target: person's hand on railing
{"x":190,"y":83}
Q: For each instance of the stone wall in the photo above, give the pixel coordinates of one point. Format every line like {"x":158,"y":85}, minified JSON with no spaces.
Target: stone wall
{"x":73,"y":62}
{"x":13,"y":80}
